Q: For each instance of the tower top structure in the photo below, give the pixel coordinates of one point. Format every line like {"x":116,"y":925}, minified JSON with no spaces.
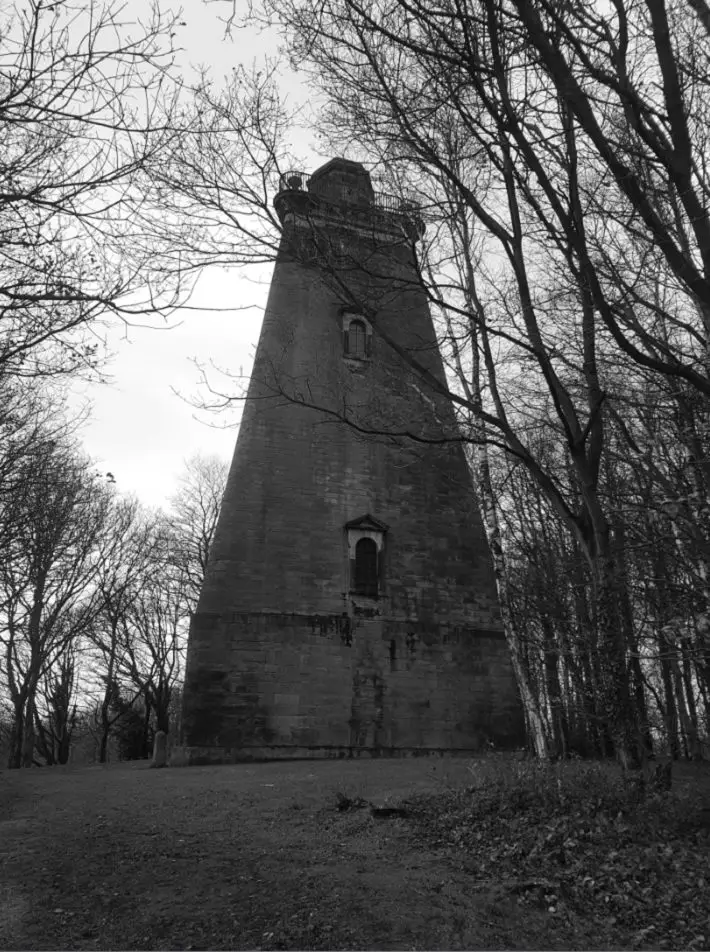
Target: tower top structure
{"x":341,"y":192}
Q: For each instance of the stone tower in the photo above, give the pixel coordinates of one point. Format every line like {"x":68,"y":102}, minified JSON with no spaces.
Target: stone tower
{"x":349,"y":605}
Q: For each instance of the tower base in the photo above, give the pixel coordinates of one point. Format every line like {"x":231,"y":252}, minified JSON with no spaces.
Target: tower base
{"x":194,"y":756}
{"x":285,"y":686}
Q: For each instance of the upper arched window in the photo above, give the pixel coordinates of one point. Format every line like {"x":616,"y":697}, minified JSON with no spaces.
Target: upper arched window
{"x":356,"y":339}
{"x":366,"y":574}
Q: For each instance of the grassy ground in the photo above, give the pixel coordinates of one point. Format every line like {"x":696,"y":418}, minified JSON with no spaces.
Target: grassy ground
{"x":491,"y":855}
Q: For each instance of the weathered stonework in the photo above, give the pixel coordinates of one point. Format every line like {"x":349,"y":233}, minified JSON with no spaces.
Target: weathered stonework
{"x":284,"y":659}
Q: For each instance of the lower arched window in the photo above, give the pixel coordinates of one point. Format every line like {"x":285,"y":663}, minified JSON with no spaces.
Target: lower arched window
{"x":366,"y":573}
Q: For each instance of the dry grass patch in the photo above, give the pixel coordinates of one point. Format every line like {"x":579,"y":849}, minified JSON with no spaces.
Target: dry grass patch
{"x":261,"y":857}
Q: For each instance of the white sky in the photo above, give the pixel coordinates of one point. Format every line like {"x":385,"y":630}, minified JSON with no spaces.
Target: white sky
{"x":140,"y":429}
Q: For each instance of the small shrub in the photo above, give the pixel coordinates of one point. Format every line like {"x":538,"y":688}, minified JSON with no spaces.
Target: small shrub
{"x":530,"y":786}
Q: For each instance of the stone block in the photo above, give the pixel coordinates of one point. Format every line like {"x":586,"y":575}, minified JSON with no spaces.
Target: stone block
{"x":286,"y":704}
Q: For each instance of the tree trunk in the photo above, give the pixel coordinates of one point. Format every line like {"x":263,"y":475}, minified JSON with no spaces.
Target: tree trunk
{"x":533,"y":714}
{"x":685,"y":725}
{"x":573,"y":694}
{"x":105,"y":727}
{"x":696,"y":752}
{"x":162,"y":715}
{"x":639,"y":694}
{"x":103,"y":746}
{"x":17,"y":731}
{"x":560,"y":729}
{"x":108,"y":693}
{"x":44,"y":741}
{"x":626,"y":618}
{"x":535,"y":722}
{"x":28,"y":733}
{"x":146,"y":743}
{"x":618,"y":705}
{"x":586,"y":642}
{"x":28,"y":743}
{"x":671,"y":713}
{"x":65,"y":736}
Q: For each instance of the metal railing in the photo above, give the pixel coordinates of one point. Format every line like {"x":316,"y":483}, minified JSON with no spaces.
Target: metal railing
{"x":296,"y":181}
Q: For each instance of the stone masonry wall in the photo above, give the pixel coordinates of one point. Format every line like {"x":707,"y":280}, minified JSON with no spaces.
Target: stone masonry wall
{"x":424,"y":666}
{"x":316,"y":683}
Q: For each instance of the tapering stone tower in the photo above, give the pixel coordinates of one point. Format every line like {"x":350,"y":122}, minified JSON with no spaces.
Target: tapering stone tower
{"x":349,"y":605}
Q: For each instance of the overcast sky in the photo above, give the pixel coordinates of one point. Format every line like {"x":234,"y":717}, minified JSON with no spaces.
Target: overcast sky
{"x":143,"y":425}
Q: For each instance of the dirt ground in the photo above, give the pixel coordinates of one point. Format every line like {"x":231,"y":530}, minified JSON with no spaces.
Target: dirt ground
{"x":248,"y":857}
{"x":245,"y":856}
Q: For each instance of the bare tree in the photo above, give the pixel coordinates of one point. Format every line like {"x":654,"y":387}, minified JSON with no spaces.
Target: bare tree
{"x":86,"y":100}
{"x":155,"y":638}
{"x":113,"y":164}
{"x":29,"y":416}
{"x":59,"y":703}
{"x":147,"y":584}
{"x":192,"y":520}
{"x":598,"y":117}
{"x":47,"y":599}
{"x":122,"y":572}
{"x":219,"y":175}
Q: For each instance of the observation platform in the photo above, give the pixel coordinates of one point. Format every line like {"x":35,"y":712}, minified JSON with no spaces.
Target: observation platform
{"x":341,"y":190}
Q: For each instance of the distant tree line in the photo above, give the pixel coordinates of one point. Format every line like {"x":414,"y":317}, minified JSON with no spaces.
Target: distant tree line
{"x":95,"y":590}
{"x":96,"y":593}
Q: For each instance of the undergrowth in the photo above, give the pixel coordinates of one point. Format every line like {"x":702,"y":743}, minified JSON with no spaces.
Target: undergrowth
{"x":578,"y":840}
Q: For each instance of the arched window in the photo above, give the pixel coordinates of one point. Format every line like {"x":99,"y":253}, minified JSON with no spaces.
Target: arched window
{"x":357,"y":339}
{"x":366,"y":567}
{"x":366,"y":555}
